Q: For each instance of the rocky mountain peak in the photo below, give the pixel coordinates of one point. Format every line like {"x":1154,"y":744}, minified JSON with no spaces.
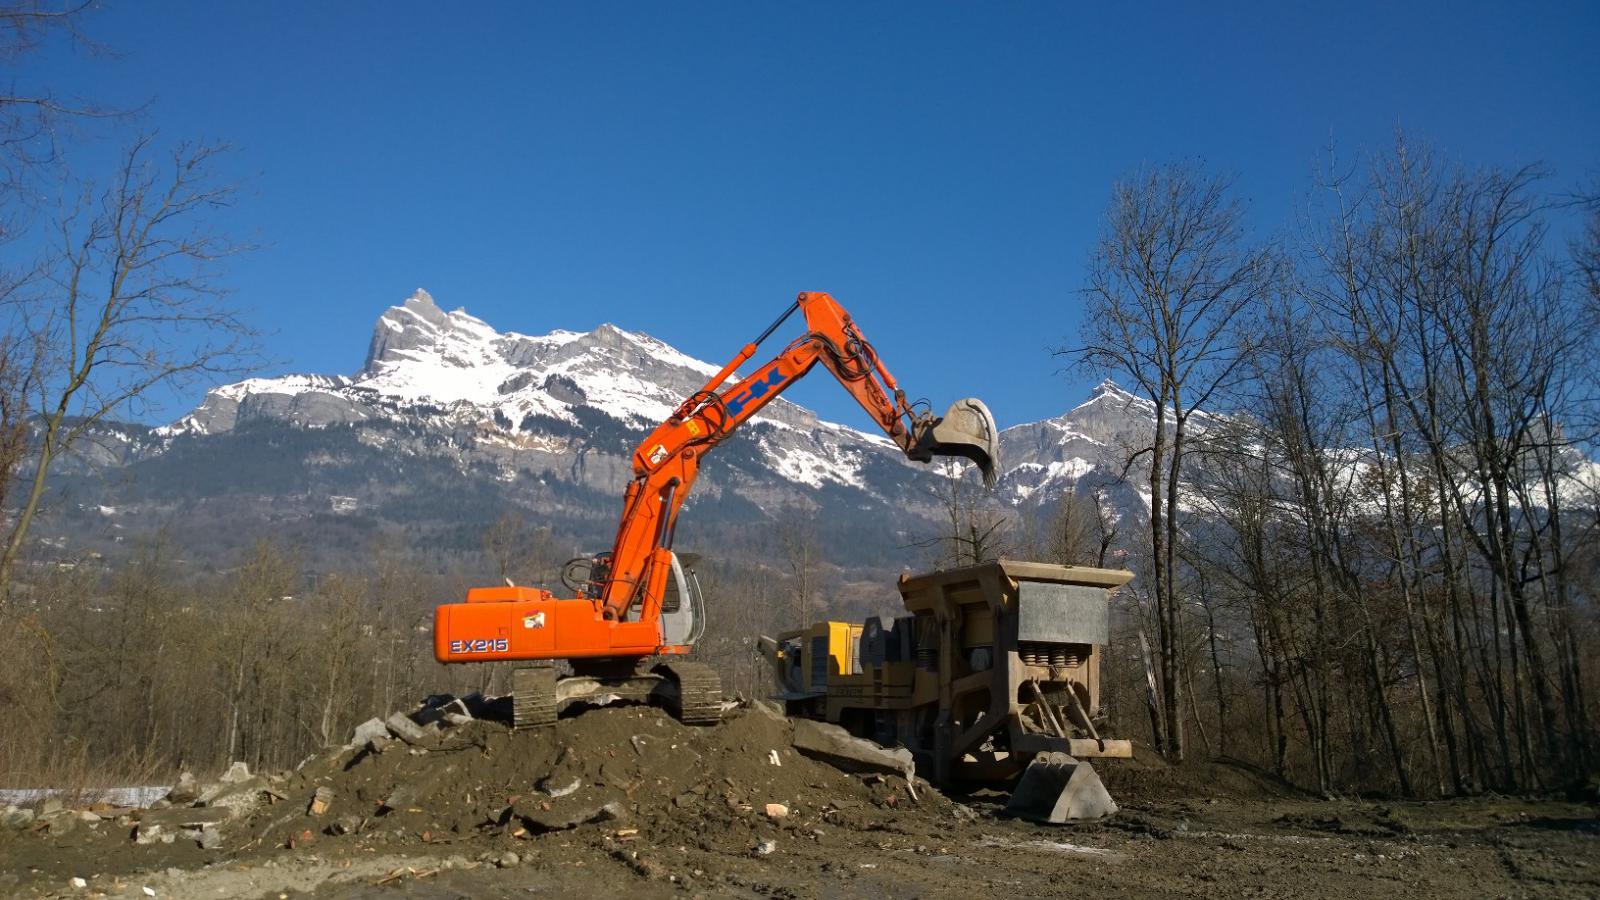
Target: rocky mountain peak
{"x":418,"y":325}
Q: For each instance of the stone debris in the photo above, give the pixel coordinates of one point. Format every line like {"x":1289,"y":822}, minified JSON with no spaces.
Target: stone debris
{"x":562,"y":819}
{"x":777,"y":811}
{"x":185,"y":792}
{"x":16,"y":817}
{"x":369,"y":731}
{"x":839,"y":748}
{"x":321,"y":799}
{"x":401,"y":726}
{"x":766,"y":847}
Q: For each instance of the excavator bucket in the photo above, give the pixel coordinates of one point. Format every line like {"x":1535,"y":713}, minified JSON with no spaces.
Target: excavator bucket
{"x":1056,"y":788}
{"x":968,"y":431}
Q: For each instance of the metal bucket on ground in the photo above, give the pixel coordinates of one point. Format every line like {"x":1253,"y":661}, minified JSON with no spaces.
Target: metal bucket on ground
{"x":1056,"y":788}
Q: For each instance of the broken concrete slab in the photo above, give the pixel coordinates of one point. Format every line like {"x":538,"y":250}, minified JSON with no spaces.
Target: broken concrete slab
{"x":186,"y":791}
{"x":184,"y":816}
{"x":242,"y":799}
{"x":369,"y":731}
{"x":568,"y":816}
{"x":401,"y":726}
{"x":839,"y":748}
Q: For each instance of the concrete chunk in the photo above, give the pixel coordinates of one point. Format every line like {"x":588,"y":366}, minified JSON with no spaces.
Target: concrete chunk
{"x":405,"y":729}
{"x":14,"y":817}
{"x":563,"y":818}
{"x":368,"y":731}
{"x":839,"y":748}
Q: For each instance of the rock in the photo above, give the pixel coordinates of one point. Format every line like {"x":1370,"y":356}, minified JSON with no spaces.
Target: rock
{"x":78,"y":883}
{"x":561,"y":819}
{"x":776,"y":810}
{"x":239,"y":799}
{"x":148,"y":833}
{"x":369,"y":731}
{"x":321,"y":799}
{"x":184,"y":816}
{"x":508,"y":860}
{"x":773,"y":758}
{"x":50,"y":807}
{"x":210,"y":838}
{"x":60,"y":822}
{"x":768,"y":709}
{"x":186,"y":791}
{"x":401,"y":726}
{"x":839,"y":748}
{"x":237,"y":773}
{"x":13,"y":817}
{"x":556,"y":788}
{"x":345,"y":825}
{"x":766,"y":848}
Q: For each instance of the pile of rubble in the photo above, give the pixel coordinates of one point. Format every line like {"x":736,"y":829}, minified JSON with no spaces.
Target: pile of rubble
{"x":453,"y":771}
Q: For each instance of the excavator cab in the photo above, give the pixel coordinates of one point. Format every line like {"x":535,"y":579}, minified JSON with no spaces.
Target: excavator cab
{"x":967,"y":430}
{"x":683,"y":608}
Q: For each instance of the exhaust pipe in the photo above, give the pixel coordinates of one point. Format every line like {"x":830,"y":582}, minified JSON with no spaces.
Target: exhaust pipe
{"x":968,"y":431}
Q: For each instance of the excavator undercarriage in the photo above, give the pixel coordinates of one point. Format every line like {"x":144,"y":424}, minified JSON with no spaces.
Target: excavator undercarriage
{"x":691,"y":692}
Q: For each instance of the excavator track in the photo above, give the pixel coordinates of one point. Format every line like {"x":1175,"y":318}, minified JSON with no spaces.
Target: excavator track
{"x":699,"y":700}
{"x":533,"y":697}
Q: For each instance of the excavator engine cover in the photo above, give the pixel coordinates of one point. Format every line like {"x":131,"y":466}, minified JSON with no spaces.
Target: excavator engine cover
{"x":968,"y":431}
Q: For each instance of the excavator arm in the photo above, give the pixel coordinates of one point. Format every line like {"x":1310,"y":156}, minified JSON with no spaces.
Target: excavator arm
{"x":618,"y":613}
{"x":667,"y":462}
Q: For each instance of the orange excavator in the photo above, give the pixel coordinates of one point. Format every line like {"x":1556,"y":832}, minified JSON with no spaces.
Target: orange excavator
{"x":641,"y":600}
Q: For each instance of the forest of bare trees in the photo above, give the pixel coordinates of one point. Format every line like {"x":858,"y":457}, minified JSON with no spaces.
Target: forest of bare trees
{"x":1378,"y":572}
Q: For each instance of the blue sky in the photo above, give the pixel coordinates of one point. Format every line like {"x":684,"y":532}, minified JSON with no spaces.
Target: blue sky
{"x":684,"y":169}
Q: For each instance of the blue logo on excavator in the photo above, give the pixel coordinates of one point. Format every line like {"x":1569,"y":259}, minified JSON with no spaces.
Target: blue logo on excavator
{"x":754,"y":391}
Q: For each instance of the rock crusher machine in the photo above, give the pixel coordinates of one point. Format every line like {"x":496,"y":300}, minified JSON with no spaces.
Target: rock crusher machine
{"x":992,"y":675}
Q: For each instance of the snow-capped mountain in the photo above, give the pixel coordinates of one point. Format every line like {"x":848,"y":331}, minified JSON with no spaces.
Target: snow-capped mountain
{"x":450,"y":423}
{"x":455,"y":371}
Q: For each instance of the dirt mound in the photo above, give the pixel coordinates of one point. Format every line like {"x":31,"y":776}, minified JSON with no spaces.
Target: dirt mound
{"x":1148,"y":776}
{"x":621,"y":769}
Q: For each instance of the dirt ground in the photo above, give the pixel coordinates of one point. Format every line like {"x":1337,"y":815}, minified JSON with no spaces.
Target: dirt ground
{"x":628,"y":800}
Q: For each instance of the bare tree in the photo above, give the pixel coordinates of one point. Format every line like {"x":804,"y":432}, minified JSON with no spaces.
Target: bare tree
{"x":1170,"y":277}
{"x":521,"y":554}
{"x":128,"y":305}
{"x":972,"y":529}
{"x":802,"y":556}
{"x":34,"y":117}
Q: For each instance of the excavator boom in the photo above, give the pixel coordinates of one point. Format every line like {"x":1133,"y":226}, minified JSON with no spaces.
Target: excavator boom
{"x":639,"y":600}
